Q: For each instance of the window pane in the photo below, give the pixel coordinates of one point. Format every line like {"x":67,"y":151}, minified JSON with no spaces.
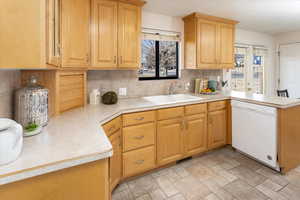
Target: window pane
{"x":148,"y":59}
{"x":168,"y":58}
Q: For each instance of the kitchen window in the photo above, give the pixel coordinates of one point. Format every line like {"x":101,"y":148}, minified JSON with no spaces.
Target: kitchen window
{"x":160,"y":57}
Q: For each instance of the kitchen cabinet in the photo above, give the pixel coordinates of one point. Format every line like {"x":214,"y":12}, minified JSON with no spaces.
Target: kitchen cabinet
{"x":116,"y":28}
{"x":87,"y":181}
{"x":209,"y":42}
{"x":217,"y":128}
{"x":67,"y":88}
{"x":169,"y":140}
{"x":129,"y":38}
{"x":139,"y":143}
{"x":196,"y":134}
{"x":75,"y":33}
{"x":115,"y":163}
{"x":104,"y":34}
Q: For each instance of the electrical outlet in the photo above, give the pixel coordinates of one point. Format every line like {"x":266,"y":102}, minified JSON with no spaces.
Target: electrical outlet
{"x":122,"y":91}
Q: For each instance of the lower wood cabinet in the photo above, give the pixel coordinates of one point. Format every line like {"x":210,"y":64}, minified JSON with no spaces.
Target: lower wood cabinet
{"x":217,"y":128}
{"x":115,"y":164}
{"x":87,"y":181}
{"x":196,"y":134}
{"x":169,"y":140}
{"x":138,"y":161}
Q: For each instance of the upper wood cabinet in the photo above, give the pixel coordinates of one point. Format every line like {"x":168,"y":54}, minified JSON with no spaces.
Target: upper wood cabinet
{"x":104,"y":33}
{"x":116,"y":28}
{"x":75,"y":33}
{"x":209,"y":42}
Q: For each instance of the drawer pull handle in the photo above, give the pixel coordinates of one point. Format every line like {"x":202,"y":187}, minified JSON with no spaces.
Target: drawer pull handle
{"x":139,"y":162}
{"x":139,"y":137}
{"x":140,"y":118}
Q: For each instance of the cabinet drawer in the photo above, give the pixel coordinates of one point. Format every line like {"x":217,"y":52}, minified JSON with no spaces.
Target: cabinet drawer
{"x":112,"y":126}
{"x":170,"y":113}
{"x":196,"y":109}
{"x":218,"y":105}
{"x":138,"y":118}
{"x":135,"y":137}
{"x":138,"y":161}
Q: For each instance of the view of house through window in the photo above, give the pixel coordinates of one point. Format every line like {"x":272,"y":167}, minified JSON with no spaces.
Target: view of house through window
{"x":248,"y":73}
{"x":159,"y":59}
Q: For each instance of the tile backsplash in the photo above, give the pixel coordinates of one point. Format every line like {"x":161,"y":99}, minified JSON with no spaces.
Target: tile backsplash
{"x":9,"y":81}
{"x":113,"y":80}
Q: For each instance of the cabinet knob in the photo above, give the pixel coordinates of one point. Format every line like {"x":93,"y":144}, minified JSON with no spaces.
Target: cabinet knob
{"x":115,"y":59}
{"x":87,"y":58}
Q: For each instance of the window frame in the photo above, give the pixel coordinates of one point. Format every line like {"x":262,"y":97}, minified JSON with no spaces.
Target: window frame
{"x":157,"y":65}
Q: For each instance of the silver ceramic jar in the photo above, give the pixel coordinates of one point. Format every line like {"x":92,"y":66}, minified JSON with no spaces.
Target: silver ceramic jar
{"x":31,"y":104}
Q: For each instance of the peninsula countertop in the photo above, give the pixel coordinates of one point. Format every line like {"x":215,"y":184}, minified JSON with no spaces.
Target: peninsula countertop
{"x":76,"y":137}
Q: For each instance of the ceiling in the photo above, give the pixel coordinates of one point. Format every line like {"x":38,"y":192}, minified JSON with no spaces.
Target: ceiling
{"x":268,"y":16}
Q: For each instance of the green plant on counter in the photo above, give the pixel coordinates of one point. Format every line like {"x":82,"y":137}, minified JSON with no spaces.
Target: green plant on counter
{"x":31,"y":127}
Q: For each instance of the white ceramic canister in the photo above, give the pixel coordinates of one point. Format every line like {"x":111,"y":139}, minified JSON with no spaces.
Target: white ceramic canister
{"x":11,"y":140}
{"x":95,"y":97}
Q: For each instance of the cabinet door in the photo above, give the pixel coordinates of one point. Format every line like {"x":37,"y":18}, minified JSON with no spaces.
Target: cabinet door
{"x":115,"y":171}
{"x":217,"y":128}
{"x":196,"y":134}
{"x":169,"y":140}
{"x":105,"y":33}
{"x":75,"y":33}
{"x":226,"y":46}
{"x":207,"y":44}
{"x":129,"y":36}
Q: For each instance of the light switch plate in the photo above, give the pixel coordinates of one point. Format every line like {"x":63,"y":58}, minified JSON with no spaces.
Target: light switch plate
{"x":122,"y":91}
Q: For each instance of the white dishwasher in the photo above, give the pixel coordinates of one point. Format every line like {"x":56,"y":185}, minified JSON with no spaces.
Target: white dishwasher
{"x":254,"y":131}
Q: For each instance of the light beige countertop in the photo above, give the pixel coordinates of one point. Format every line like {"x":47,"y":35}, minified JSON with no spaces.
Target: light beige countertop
{"x":76,"y":137}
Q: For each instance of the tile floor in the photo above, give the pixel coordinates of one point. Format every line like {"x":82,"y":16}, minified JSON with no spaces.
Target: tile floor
{"x":219,"y":175}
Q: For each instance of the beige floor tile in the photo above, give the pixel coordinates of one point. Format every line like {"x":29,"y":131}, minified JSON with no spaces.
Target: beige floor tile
{"x":166,"y":186}
{"x":219,"y":191}
{"x":124,"y":195}
{"x":249,"y":176}
{"x":243,"y":191}
{"x":157,"y":195}
{"x":273,"y":176}
{"x":191,"y":188}
{"x":201,"y":172}
{"x":144,"y":197}
{"x":142,"y":185}
{"x":271,"y":185}
{"x":294,"y":178}
{"x":212,"y":197}
{"x":177,"y":197}
{"x":291,"y":192}
{"x":121,"y":187}
{"x":264,"y":188}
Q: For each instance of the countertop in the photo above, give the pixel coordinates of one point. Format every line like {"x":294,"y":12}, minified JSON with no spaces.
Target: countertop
{"x":76,"y":137}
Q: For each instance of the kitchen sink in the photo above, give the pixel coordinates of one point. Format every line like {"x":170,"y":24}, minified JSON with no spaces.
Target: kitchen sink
{"x":174,"y":98}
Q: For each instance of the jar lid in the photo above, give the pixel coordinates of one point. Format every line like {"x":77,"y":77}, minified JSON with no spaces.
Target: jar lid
{"x":6,"y":124}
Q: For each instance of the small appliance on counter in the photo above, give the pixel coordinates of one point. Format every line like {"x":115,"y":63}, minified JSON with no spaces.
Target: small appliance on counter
{"x":95,"y":97}
{"x":31,"y":107}
{"x":110,"y":98}
{"x":11,"y":140}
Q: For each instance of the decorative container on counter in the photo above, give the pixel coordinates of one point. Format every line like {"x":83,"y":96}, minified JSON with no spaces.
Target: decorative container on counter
{"x":31,"y":104}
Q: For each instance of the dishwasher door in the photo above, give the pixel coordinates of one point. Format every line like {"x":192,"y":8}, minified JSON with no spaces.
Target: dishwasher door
{"x":254,"y":131}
